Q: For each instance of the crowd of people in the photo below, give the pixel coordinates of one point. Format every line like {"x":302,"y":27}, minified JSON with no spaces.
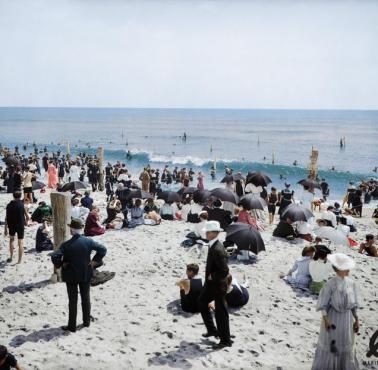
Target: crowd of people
{"x":145,"y":200}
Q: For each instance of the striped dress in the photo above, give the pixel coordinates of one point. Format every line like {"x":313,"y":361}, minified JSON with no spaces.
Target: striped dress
{"x":335,"y":349}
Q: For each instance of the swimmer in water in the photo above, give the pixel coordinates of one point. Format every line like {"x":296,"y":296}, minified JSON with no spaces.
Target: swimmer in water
{"x":295,"y":163}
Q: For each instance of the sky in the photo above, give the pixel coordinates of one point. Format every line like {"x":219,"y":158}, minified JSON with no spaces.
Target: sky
{"x":191,"y":54}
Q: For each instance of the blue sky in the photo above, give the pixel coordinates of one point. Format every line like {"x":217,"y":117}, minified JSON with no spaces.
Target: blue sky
{"x":237,"y":54}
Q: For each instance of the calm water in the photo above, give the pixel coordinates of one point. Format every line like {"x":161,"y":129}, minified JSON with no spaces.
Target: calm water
{"x":240,"y":138}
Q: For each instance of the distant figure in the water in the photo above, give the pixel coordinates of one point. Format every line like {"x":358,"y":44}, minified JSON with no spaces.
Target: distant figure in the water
{"x":211,"y":148}
{"x":129,"y":155}
{"x":264,"y":159}
{"x":333,"y":168}
{"x":295,"y":163}
{"x":184,"y":137}
{"x":341,"y":143}
{"x":375,"y":169}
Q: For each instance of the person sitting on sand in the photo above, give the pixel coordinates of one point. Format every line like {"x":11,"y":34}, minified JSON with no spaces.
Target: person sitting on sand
{"x":350,"y":221}
{"x":150,"y":206}
{"x":152,"y":218}
{"x":195,"y":210}
{"x":343,"y":227}
{"x":43,"y":210}
{"x":245,"y":217}
{"x":329,"y":217}
{"x":284,"y":229}
{"x":190,"y":289}
{"x":299,"y":275}
{"x":198,"y":228}
{"x":113,"y":208}
{"x":86,"y":201}
{"x":93,"y":225}
{"x":375,"y":215}
{"x":337,"y":211}
{"x":136,"y":214}
{"x":43,"y":240}
{"x":368,"y":246}
{"x":167,"y":212}
{"x":7,"y":360}
{"x":78,"y":211}
{"x":237,"y":294}
{"x":219,"y":214}
{"x":320,"y":269}
{"x":303,"y":230}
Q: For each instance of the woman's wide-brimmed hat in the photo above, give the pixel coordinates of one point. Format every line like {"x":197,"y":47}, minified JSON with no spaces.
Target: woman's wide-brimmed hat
{"x":341,"y":261}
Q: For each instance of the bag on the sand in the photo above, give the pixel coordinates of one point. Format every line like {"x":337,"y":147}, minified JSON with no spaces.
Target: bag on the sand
{"x":188,"y":243}
{"x":101,"y":277}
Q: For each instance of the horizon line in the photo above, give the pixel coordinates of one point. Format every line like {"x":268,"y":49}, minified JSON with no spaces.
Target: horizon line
{"x":189,"y":108}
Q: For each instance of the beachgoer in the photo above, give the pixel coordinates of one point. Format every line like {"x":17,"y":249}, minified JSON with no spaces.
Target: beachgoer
{"x":219,"y":214}
{"x":320,"y":269}
{"x":284,"y":229}
{"x":16,"y":219}
{"x":237,"y":294}
{"x":43,"y":240}
{"x":368,"y":246}
{"x":272,"y":203}
{"x":190,"y":289}
{"x":215,"y":288}
{"x":93,"y":225}
{"x":299,"y":275}
{"x":338,"y":305}
{"x":52,"y":175}
{"x":86,"y":201}
{"x":136,"y":214}
{"x":74,"y":256}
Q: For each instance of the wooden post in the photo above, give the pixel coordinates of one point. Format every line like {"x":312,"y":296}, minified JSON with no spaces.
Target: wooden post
{"x":61,"y":208}
{"x":313,"y":167}
{"x":68,"y":149}
{"x":100,"y":157}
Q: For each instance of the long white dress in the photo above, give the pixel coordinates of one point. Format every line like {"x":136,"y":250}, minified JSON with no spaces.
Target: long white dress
{"x":337,"y":299}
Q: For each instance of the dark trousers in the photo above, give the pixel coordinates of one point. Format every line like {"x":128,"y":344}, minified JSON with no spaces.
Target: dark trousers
{"x":215,"y":292}
{"x":72,"y":303}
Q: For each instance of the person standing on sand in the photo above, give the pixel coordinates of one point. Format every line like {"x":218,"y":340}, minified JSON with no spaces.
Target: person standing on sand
{"x":338,"y":305}
{"x":52,"y":173}
{"x":15,"y":220}
{"x":145,"y":178}
{"x":74,"y":256}
{"x":215,"y":288}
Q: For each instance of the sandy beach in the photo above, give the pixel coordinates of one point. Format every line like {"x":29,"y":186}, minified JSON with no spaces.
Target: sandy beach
{"x":138,"y":320}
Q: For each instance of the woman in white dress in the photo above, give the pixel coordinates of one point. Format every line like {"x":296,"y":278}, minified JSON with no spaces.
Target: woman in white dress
{"x":338,"y":305}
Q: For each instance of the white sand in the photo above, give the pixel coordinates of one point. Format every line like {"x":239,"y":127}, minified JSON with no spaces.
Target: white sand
{"x":138,"y":320}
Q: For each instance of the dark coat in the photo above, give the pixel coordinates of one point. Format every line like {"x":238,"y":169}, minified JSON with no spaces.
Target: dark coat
{"x":75,"y":257}
{"x":283,"y":230}
{"x":216,"y":263}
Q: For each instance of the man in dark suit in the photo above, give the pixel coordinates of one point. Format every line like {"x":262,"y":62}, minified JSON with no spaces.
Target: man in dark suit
{"x":215,"y":288}
{"x":219,"y":214}
{"x":74,"y":256}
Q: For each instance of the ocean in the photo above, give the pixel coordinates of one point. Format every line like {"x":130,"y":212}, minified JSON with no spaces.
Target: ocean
{"x":244,"y":140}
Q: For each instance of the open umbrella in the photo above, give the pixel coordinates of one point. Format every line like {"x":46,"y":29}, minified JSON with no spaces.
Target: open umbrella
{"x":139,"y":194}
{"x":224,"y":195}
{"x":335,"y":236}
{"x":253,"y":201}
{"x":74,"y":185}
{"x":37,"y":185}
{"x":245,"y":237}
{"x":11,"y":161}
{"x":187,"y":190}
{"x":200,"y":196}
{"x":169,"y":197}
{"x":258,"y":179}
{"x":297,"y":213}
{"x":312,"y":184}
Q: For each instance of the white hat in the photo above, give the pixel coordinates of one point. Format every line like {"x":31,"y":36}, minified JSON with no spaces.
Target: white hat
{"x":212,"y":226}
{"x":341,"y":261}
